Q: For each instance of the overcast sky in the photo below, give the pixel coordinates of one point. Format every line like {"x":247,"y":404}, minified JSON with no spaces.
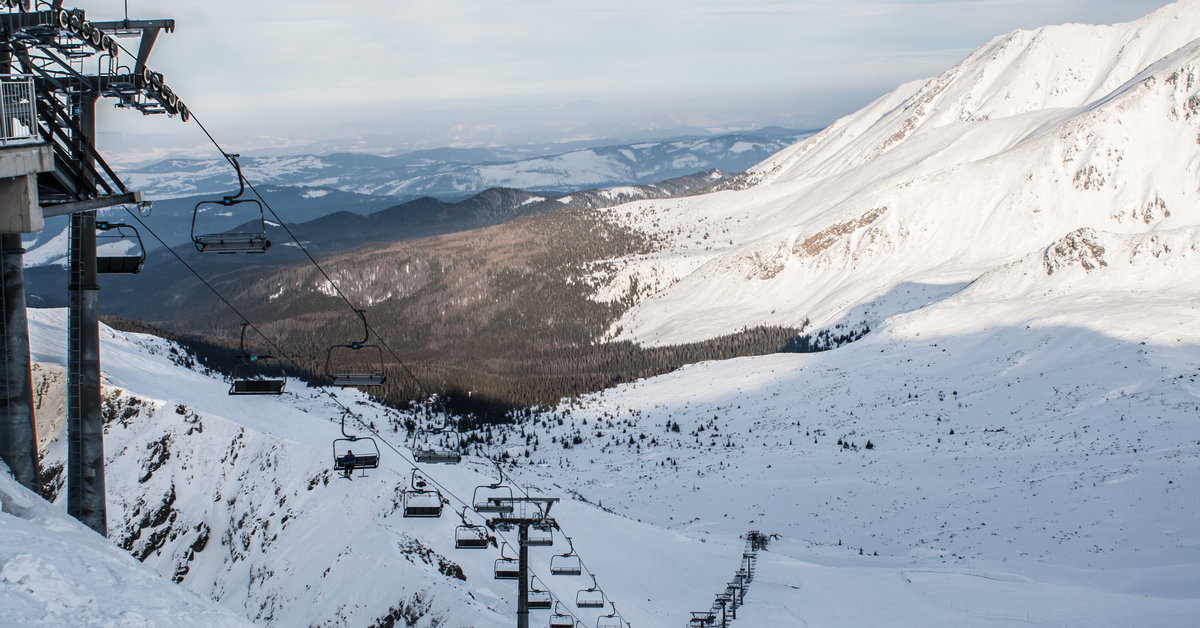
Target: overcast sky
{"x":477,"y":71}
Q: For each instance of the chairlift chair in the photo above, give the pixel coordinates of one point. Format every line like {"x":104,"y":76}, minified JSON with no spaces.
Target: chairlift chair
{"x":345,"y":371}
{"x":248,"y":378}
{"x":420,"y":501}
{"x":566,"y":564}
{"x":702,"y":619}
{"x":253,"y":240}
{"x":346,"y":460}
{"x":560,"y":619}
{"x":507,"y":568}
{"x":591,"y":597}
{"x":493,"y":498}
{"x":425,"y":452}
{"x":611,"y":620}
{"x":539,"y":599}
{"x":540,"y":536}
{"x":114,"y":234}
{"x":471,"y":536}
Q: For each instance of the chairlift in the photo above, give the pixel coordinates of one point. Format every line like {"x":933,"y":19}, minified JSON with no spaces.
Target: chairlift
{"x":539,"y":599}
{"x":702,"y":619}
{"x":345,"y":370}
{"x":494,"y":498}
{"x":591,"y":597}
{"x":507,"y":568}
{"x":560,"y":619}
{"x":425,"y":449}
{"x":540,"y":535}
{"x":566,"y":564}
{"x":113,"y":235}
{"x":470,"y":535}
{"x":254,"y":240}
{"x":420,"y":500}
{"x":346,"y":460}
{"x":611,"y":620}
{"x":248,"y":378}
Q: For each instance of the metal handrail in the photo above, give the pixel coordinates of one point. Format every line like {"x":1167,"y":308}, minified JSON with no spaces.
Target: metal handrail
{"x":18,"y":110}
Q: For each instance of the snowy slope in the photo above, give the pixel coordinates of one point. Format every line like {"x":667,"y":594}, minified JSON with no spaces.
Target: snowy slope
{"x":1032,"y":137}
{"x":234,"y":498}
{"x":1035,"y":444}
{"x":56,"y":572}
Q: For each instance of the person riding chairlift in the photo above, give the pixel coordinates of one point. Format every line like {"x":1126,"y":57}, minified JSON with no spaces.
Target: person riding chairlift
{"x":348,"y":462}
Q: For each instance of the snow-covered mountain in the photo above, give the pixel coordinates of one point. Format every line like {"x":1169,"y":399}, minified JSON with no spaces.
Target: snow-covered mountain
{"x":1033,"y":137}
{"x":456,"y":174}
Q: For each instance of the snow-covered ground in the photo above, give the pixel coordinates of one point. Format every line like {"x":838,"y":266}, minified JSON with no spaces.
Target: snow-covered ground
{"x":56,"y":572}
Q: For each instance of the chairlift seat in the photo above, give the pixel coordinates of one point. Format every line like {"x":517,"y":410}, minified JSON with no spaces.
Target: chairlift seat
{"x":562,"y":621}
{"x":609,"y":621}
{"x":257,"y":387}
{"x":589,"y":603}
{"x":228,"y":243}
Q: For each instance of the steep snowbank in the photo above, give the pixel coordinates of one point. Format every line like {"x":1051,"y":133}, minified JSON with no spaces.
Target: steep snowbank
{"x":56,"y":572}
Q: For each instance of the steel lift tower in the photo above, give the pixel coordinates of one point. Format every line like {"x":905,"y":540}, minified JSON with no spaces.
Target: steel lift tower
{"x":55,"y":65}
{"x":521,"y":513}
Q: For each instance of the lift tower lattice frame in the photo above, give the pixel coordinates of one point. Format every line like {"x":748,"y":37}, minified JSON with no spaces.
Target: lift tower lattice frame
{"x":72,"y":63}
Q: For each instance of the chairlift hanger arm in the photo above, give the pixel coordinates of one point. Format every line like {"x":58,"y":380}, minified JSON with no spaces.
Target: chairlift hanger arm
{"x":232,"y":158}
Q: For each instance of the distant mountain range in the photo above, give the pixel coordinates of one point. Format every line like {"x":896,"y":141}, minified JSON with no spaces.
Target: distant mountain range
{"x":301,"y":188}
{"x":455,"y":173}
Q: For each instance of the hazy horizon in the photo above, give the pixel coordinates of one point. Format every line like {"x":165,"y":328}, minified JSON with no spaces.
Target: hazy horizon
{"x":276,"y":75}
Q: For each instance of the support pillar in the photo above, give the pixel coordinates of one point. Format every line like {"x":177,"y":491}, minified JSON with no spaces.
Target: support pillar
{"x":85,"y":424}
{"x":523,"y":585}
{"x":18,"y":426}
